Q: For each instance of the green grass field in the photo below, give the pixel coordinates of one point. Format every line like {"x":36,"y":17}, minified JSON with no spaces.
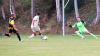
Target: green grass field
{"x":55,"y":46}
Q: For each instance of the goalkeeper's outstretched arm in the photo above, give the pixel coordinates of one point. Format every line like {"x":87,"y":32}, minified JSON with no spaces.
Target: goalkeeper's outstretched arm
{"x":72,"y":26}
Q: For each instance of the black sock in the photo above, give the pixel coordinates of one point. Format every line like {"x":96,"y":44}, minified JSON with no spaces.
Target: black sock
{"x":7,"y":35}
{"x":18,"y":36}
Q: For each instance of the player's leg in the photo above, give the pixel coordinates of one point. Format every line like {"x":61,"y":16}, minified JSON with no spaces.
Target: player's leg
{"x":18,"y":35}
{"x":9,"y":34}
{"x":79,"y":34}
{"x":34,"y":32}
{"x":39,"y":32}
{"x":91,"y":34}
{"x":43,"y":36}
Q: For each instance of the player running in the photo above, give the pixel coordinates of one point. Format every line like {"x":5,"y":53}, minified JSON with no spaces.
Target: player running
{"x":81,"y":29}
{"x":12,"y":28}
{"x":35,"y":27}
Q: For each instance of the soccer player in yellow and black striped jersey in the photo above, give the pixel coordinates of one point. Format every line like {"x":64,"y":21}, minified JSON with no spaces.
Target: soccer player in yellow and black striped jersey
{"x":12,"y":28}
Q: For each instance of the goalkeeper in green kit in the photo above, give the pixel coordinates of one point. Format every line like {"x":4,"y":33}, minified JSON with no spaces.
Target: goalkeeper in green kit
{"x":81,"y":29}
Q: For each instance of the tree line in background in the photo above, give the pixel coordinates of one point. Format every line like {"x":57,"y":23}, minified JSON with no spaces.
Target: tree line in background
{"x":26,"y":9}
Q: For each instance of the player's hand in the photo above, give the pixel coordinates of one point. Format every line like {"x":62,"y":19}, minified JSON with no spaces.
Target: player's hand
{"x":70,"y":26}
{"x":15,"y":27}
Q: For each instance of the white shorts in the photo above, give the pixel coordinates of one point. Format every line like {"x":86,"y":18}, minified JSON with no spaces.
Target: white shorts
{"x":35,"y":28}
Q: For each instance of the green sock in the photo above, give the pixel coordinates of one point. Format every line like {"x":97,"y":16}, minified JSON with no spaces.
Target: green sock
{"x":93,"y":35}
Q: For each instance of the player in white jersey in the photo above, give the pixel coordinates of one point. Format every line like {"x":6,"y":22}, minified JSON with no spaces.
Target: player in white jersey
{"x":35,"y":26}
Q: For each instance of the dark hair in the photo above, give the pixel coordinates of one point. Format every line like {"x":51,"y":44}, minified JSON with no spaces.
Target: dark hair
{"x":82,"y":21}
{"x":38,"y":13}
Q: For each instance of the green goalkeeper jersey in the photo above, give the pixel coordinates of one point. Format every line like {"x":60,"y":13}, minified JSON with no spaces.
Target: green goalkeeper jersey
{"x":80,"y":26}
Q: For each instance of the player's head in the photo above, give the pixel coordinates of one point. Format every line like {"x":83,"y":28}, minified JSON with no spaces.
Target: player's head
{"x":12,"y":16}
{"x":78,"y":19}
{"x":38,"y":13}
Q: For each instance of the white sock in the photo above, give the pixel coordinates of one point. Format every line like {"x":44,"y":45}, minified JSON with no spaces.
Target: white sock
{"x":31,"y":36}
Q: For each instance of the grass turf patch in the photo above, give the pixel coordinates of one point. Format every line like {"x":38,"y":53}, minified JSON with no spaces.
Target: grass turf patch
{"x":56,"y":45}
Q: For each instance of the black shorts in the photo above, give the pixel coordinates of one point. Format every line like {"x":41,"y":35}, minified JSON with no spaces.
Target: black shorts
{"x":12,"y":31}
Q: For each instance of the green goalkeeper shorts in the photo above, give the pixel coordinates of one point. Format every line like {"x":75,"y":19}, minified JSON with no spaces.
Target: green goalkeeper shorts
{"x":83,"y":31}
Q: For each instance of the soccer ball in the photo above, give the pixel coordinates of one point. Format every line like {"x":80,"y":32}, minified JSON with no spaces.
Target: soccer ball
{"x":45,"y":38}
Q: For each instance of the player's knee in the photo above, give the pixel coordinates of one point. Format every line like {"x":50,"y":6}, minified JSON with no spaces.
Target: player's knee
{"x":39,"y":33}
{"x":34,"y":33}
